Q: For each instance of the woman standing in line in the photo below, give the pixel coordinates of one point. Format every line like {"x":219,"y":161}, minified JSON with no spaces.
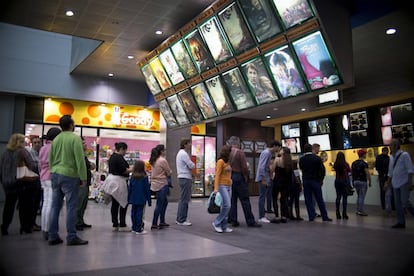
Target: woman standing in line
{"x":222,"y":184}
{"x":46,"y":179}
{"x":15,"y":189}
{"x":342,"y":170}
{"x":160,"y":173}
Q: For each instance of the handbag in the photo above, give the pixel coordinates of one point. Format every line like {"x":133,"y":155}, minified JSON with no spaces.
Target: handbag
{"x":213,"y":208}
{"x":23,"y":173}
{"x":348,"y":186}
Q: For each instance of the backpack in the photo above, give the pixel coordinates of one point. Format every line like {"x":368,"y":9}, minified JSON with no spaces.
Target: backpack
{"x":358,"y":170}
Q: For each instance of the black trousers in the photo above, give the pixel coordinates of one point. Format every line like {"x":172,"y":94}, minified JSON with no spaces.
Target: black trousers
{"x":36,"y":198}
{"x":115,"y":208}
{"x":282,"y":188}
{"x":240,"y":190}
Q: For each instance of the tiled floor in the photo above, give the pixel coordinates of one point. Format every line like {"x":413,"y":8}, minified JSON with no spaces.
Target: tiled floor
{"x":359,"y":246}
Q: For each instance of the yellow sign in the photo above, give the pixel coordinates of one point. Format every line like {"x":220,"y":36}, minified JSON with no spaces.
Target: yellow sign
{"x":97,"y":115}
{"x":198,"y":129}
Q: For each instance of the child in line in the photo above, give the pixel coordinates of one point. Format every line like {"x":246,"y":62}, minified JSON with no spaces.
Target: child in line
{"x":138,"y":194}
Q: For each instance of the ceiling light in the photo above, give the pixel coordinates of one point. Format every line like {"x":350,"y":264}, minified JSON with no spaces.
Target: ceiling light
{"x":268,"y":116}
{"x":69,"y":13}
{"x":391,"y":31}
{"x":110,"y":75}
{"x":158,"y":32}
{"x":303,"y":109}
{"x":130,"y":57}
{"x":275,"y":109}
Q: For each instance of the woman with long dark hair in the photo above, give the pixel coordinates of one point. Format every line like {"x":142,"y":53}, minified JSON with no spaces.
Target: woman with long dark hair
{"x":342,"y":170}
{"x":160,"y":173}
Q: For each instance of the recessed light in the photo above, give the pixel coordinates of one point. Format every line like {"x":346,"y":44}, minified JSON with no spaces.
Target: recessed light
{"x":130,"y":57}
{"x":390,"y":31}
{"x":110,"y":75}
{"x":303,"y":109}
{"x":69,"y":13}
{"x":275,"y":109}
{"x":268,"y":116}
{"x":158,"y":32}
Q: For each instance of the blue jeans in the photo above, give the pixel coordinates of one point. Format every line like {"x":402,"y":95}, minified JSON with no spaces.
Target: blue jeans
{"x":182,"y":211}
{"x":269,"y":197}
{"x":137,"y":212}
{"x":312,"y":188}
{"x":402,"y":200}
{"x":221,"y":219}
{"x":388,"y":199}
{"x":263,"y":190}
{"x":63,"y":187}
{"x":361,"y":188}
{"x":161,"y":205}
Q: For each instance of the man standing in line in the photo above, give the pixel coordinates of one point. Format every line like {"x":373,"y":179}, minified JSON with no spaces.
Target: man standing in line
{"x":240,"y":189}
{"x":313,"y":173}
{"x":37,"y":187}
{"x":263,"y":177}
{"x":316,"y":148}
{"x":185,"y":179}
{"x":401,"y":177}
{"x":68,"y":168}
{"x":381,"y":165}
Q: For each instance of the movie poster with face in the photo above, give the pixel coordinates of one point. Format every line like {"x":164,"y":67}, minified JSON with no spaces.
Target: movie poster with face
{"x":203,"y":100}
{"x":183,"y":59}
{"x":160,"y":73}
{"x":150,"y":80}
{"x":261,"y":18}
{"x":178,"y":110}
{"x":219,"y":95}
{"x":285,"y":73}
{"x":259,"y":81}
{"x":293,"y":12}
{"x":213,"y":36}
{"x":167,"y":114}
{"x":236,"y":29}
{"x":190,"y":106}
{"x":173,"y":71}
{"x":199,"y":51}
{"x":239,"y":92}
{"x":316,"y":61}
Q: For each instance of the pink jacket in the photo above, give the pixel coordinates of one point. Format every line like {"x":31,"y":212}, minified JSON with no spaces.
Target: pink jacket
{"x":44,"y":170}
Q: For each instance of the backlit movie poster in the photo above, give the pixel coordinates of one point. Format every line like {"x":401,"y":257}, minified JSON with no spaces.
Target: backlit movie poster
{"x":177,"y":110}
{"x":235,"y":29}
{"x":183,"y":59}
{"x":238,"y":90}
{"x":285,"y":73}
{"x":166,"y":112}
{"x":261,"y":18}
{"x":203,"y":100}
{"x":159,"y":73}
{"x":199,"y":51}
{"x":150,"y":80}
{"x":215,"y":41}
{"x":219,"y":95}
{"x":173,"y":71}
{"x":316,"y":61}
{"x":293,"y":12}
{"x":259,"y":81}
{"x":190,"y":106}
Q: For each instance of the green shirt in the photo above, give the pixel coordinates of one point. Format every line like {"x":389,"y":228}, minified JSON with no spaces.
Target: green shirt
{"x":66,"y":156}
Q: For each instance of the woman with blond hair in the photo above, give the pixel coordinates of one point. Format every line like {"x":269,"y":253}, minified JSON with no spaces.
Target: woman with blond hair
{"x":14,"y":189}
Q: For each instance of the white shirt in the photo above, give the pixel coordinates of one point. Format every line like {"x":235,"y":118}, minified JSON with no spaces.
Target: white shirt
{"x":184,"y":165}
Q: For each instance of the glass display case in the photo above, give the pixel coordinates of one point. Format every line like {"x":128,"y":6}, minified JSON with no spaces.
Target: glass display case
{"x":203,"y":151}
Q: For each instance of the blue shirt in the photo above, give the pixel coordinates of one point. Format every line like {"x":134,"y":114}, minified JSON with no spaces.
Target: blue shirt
{"x":263,"y":169}
{"x":400,"y":173}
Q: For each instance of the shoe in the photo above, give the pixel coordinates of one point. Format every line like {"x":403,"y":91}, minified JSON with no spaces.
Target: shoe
{"x":228,"y":230}
{"x":327,"y":219}
{"x":124,"y":229}
{"x":55,"y":241}
{"x":155,"y":227}
{"x":264,"y":220}
{"x":398,"y":226}
{"x":185,"y":223}
{"x":299,"y":218}
{"x":275,"y":220}
{"x":283,"y":220}
{"x":163,"y":225}
{"x":235,"y":224}
{"x":77,"y":241}
{"x":143,"y":232}
{"x":361,"y":214}
{"x":338,"y":215}
{"x":115,"y":229}
{"x":45,"y":235}
{"x":218,"y":229}
{"x":345,"y":216}
{"x":317,"y":215}
{"x":258,"y":225}
{"x":25,"y":231}
{"x":84,"y":225}
{"x":36,"y":227}
{"x":79,"y":228}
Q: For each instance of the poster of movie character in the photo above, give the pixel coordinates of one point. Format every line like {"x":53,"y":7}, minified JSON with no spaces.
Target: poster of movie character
{"x":150,"y":80}
{"x":293,"y":12}
{"x":203,"y":100}
{"x":160,"y":74}
{"x":239,"y":92}
{"x":166,"y":112}
{"x":183,"y":59}
{"x":213,"y":36}
{"x":190,"y":106}
{"x":293,"y":144}
{"x":316,"y":62}
{"x":236,"y":29}
{"x":261,"y":18}
{"x":178,"y":110}
{"x":285,"y":73}
{"x":259,"y":81}
{"x":173,"y":71}
{"x":219,"y":95}
{"x":199,"y":51}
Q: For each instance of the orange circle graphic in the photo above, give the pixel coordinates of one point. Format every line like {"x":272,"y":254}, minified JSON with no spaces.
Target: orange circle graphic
{"x":108,"y":117}
{"x":94,"y":110}
{"x":53,"y":118}
{"x":85,"y":121}
{"x":66,"y":108}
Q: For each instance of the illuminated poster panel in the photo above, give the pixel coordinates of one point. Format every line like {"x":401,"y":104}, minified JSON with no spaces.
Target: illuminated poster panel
{"x":237,"y":87}
{"x":171,"y":66}
{"x":215,"y":41}
{"x":190,"y":106}
{"x":203,"y":100}
{"x":160,"y":73}
{"x":166,"y":112}
{"x":285,"y":73}
{"x":178,"y":110}
{"x":183,"y":59}
{"x":316,"y":61}
{"x":236,"y":29}
{"x":150,"y":80}
{"x":219,"y":95}
{"x":293,"y":12}
{"x":199,"y":51}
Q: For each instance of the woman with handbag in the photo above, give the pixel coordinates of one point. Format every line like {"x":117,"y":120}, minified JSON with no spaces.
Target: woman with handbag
{"x":15,"y":155}
{"x":342,"y":170}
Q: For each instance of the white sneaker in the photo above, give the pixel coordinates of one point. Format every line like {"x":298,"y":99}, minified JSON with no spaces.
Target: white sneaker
{"x":264,"y":220}
{"x":143,"y":232}
{"x":185,"y":223}
{"x":228,"y":230}
{"x":115,"y":229}
{"x":124,"y":229}
{"x":218,"y":229}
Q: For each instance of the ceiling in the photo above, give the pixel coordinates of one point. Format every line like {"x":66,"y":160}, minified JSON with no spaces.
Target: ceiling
{"x":127,"y":27}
